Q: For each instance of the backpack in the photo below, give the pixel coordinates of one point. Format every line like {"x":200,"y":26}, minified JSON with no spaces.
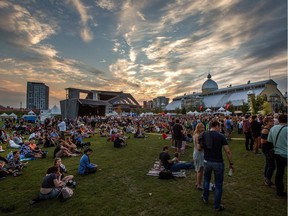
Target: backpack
{"x":165,"y":174}
{"x":66,"y":193}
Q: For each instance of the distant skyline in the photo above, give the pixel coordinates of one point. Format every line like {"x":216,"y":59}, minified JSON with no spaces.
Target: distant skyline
{"x":147,"y":48}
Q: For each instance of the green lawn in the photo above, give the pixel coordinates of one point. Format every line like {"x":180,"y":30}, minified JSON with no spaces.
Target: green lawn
{"x":122,"y":187}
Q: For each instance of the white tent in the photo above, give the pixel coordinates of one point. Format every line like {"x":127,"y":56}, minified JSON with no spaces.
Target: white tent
{"x":4,"y":115}
{"x":208,"y":110}
{"x":196,"y":113}
{"x":31,"y":113}
{"x":55,"y":110}
{"x":228,"y":113}
{"x":190,"y":113}
{"x":221,"y":109}
{"x":13,"y":115}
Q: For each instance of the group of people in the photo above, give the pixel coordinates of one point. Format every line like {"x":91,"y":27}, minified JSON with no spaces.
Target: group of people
{"x":208,"y":133}
{"x":261,"y":132}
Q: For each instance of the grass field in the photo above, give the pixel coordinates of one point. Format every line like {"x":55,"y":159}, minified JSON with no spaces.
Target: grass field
{"x":122,"y":187}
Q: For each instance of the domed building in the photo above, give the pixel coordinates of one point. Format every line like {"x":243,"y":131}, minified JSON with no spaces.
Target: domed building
{"x":209,"y":85}
{"x":214,"y":98}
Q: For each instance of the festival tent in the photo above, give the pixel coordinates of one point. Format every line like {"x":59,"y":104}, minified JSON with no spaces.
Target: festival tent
{"x":221,"y":109}
{"x":55,"y":111}
{"x":13,"y":115}
{"x":3,"y":116}
{"x":31,"y":113}
{"x":208,"y":110}
{"x":190,"y":113}
{"x":228,"y":113}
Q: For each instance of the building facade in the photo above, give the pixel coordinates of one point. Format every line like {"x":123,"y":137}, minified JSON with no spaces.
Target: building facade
{"x":148,"y":104}
{"x":37,"y":96}
{"x":214,"y":98}
{"x":95,"y":102}
{"x":160,"y":102}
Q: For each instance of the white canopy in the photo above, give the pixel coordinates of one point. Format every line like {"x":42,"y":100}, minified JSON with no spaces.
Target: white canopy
{"x":13,"y":115}
{"x":4,"y":115}
{"x":31,"y":113}
{"x":208,"y":110}
{"x":221,"y":109}
{"x":190,"y":113}
{"x":55,"y":110}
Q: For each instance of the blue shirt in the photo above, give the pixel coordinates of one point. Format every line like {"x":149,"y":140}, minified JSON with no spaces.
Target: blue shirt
{"x":280,"y":148}
{"x":84,"y":163}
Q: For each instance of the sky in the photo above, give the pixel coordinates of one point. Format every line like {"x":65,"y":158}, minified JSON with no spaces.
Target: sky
{"x":147,"y":48}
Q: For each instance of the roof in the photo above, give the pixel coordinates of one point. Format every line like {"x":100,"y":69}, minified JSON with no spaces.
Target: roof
{"x":124,"y":98}
{"x":93,"y":102}
{"x":174,"y":105}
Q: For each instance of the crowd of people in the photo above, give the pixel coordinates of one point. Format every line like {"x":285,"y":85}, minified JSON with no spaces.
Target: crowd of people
{"x":208,"y":133}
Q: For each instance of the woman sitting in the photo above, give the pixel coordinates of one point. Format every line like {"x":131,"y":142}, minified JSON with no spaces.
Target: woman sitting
{"x":85,"y":166}
{"x":63,"y":170}
{"x":51,"y":185}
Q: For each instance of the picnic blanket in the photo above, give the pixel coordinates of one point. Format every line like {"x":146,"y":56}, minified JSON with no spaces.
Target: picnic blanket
{"x":154,"y":171}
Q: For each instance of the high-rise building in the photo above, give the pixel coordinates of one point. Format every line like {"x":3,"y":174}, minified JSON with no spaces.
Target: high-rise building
{"x":160,"y":102}
{"x":37,"y":96}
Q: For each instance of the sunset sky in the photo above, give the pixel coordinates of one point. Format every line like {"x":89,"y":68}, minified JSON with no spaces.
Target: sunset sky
{"x":147,"y":48}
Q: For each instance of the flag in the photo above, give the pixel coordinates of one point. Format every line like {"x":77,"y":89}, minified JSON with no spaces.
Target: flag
{"x":227,"y":106}
{"x":200,"y":108}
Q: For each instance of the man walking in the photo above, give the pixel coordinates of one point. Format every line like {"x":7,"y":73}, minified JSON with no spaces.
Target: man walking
{"x":211,"y":142}
{"x":278,"y":136}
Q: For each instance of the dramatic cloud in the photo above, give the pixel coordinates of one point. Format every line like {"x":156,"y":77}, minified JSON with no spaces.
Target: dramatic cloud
{"x":147,"y":48}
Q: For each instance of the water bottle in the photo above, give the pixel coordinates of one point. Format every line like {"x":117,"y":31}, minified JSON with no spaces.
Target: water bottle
{"x":230,"y":173}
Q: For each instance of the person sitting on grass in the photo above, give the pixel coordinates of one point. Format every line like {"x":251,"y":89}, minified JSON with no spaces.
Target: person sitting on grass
{"x":61,"y":151}
{"x":85,"y":167}
{"x":169,"y":164}
{"x":51,"y":185}
{"x":63,"y":170}
{"x":26,"y":151}
{"x":3,"y":170}
{"x":119,"y":142}
{"x":15,"y":165}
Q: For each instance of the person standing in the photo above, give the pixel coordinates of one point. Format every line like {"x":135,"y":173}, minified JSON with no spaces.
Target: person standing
{"x":212,"y":142}
{"x":256,"y":133}
{"x":198,"y":156}
{"x":178,"y":135}
{"x":247,"y":133}
{"x":278,"y":136}
{"x":62,"y":129}
{"x":267,"y":149}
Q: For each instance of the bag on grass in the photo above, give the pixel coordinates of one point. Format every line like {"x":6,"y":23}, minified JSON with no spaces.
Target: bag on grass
{"x":66,"y":192}
{"x":165,"y":174}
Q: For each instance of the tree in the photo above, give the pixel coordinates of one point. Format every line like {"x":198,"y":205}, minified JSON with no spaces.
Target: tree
{"x":257,"y":103}
{"x":266,"y":108}
{"x":183,"y":110}
{"x":177,"y":110}
{"x":245,"y":108}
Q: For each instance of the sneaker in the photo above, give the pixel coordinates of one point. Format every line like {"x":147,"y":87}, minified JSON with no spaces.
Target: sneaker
{"x":204,"y":200}
{"x":200,"y":188}
{"x":221,"y":208}
{"x":269,"y":183}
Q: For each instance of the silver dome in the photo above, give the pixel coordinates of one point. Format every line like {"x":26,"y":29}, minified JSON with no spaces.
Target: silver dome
{"x":209,"y":85}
